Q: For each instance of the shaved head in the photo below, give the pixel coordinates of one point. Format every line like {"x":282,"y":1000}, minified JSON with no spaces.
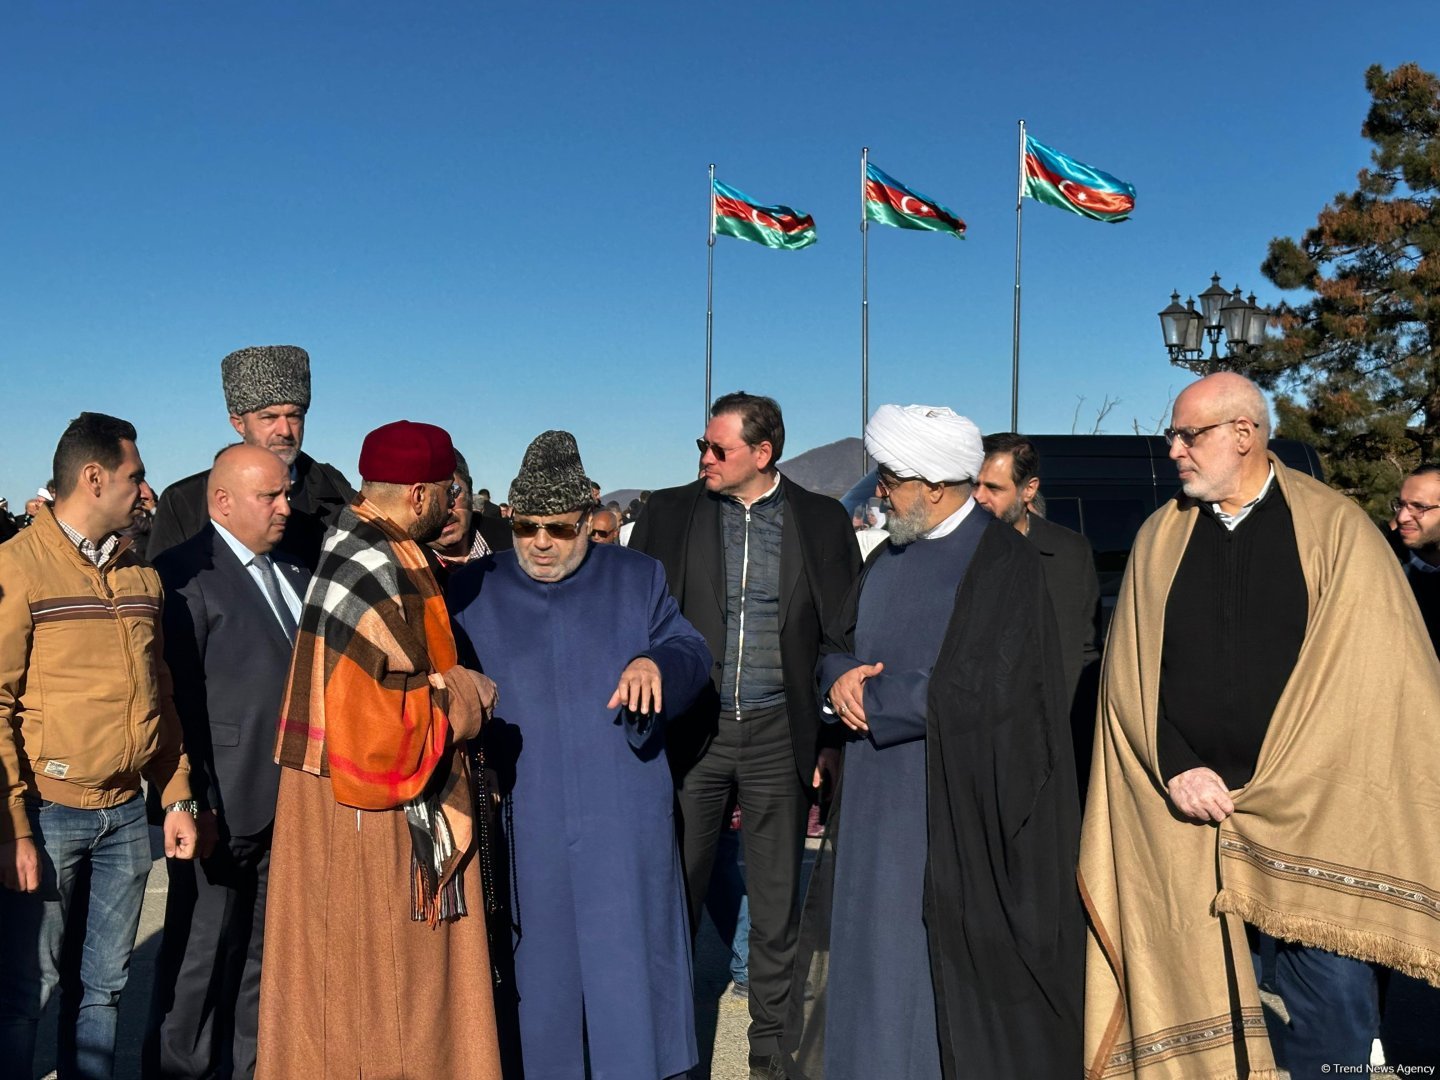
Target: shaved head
{"x":1225,"y":395}
{"x":248,"y":493}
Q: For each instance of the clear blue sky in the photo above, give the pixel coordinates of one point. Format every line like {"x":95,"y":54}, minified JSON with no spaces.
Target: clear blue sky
{"x":493,"y":216}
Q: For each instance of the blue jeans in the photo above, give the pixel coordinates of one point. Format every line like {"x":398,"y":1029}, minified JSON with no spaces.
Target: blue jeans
{"x":1334,"y":1007}
{"x":116,"y":843}
{"x":729,"y":904}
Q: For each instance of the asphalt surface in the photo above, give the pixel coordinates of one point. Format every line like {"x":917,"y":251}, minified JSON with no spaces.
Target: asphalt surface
{"x":721,"y":1019}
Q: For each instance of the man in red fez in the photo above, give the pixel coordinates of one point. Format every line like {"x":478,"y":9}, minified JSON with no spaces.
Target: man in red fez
{"x":376,"y":958}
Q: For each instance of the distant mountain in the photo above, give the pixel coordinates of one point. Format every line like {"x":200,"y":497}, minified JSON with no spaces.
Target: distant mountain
{"x":831,"y":469}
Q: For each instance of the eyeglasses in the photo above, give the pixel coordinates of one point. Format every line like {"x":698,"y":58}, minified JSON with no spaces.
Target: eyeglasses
{"x":1188,"y":435}
{"x":885,"y":483}
{"x":602,"y":534}
{"x":716,"y":449}
{"x":1416,"y":510}
{"x":558,"y":530}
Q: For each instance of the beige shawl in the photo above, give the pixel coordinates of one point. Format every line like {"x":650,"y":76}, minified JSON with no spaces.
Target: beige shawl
{"x":1334,"y":843}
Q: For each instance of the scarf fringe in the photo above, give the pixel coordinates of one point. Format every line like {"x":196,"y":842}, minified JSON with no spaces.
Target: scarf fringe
{"x":1413,"y":960}
{"x":435,"y":896}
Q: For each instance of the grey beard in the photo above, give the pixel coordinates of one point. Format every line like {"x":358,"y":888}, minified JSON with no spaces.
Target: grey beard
{"x":906,"y":528}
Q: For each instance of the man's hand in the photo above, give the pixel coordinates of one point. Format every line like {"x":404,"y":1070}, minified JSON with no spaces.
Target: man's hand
{"x":827,"y":767}
{"x":180,"y":835}
{"x":1201,"y":795}
{"x":20,"y":865}
{"x":207,"y":829}
{"x":639,"y":687}
{"x":489,"y":695}
{"x":847,"y":695}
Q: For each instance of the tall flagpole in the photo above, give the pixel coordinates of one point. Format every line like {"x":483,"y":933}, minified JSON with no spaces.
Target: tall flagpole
{"x":864,"y":312}
{"x":709,"y":298}
{"x":1015,"y":335}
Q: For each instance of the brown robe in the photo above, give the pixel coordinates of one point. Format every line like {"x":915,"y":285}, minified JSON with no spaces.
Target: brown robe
{"x":353,"y":987}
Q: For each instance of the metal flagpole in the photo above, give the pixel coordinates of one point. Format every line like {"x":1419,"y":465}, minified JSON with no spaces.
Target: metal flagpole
{"x":864,"y":312}
{"x":1015,"y":336}
{"x":709,"y":299}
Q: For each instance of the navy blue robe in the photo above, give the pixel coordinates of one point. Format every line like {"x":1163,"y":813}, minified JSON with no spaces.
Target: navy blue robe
{"x":603,"y":940}
{"x":881,"y":1019}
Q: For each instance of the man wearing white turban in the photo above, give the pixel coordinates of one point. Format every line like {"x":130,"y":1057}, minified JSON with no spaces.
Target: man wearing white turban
{"x":955,"y":933}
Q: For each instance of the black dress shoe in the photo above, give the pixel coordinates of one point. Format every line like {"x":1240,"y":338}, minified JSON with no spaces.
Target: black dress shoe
{"x":766,"y":1067}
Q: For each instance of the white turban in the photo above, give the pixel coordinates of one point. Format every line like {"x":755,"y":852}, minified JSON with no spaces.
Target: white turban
{"x":928,"y":441}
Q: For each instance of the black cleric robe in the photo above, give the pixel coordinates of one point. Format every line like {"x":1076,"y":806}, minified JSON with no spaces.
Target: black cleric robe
{"x":1002,"y":923}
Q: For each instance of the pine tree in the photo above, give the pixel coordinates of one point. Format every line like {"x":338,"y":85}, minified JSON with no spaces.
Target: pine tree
{"x":1358,"y":365}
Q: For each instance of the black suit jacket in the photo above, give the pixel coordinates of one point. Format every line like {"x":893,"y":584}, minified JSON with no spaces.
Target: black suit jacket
{"x":1074,"y":593}
{"x":229,"y":659}
{"x":819,"y":561}
{"x":319,"y":493}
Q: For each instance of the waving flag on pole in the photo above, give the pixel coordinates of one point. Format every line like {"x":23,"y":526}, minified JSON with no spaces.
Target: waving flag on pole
{"x":890,"y":202}
{"x":1053,"y":178}
{"x":738,"y":215}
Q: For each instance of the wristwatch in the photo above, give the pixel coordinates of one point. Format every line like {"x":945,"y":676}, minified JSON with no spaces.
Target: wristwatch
{"x":190,"y":806}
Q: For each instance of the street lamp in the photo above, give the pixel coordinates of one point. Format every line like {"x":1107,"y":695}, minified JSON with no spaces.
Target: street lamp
{"x":1237,"y":318}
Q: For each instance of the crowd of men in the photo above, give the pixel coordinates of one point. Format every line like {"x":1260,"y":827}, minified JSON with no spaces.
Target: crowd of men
{"x":441,"y":788}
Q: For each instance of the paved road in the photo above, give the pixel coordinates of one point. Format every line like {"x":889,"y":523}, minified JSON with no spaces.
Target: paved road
{"x":721,"y":1018}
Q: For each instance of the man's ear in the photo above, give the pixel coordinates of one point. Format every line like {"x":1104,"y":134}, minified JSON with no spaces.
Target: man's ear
{"x":92,"y":476}
{"x":1027,"y":493}
{"x":764,"y":454}
{"x":238,"y":425}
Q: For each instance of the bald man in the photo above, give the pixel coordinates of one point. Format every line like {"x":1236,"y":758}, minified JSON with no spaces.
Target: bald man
{"x":605,"y":526}
{"x":1266,"y":742}
{"x":232,"y":603}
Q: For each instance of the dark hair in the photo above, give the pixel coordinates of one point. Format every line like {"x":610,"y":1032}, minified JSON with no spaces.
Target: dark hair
{"x":462,"y":470}
{"x":1425,"y":470}
{"x":91,"y":436}
{"x":760,"y":419}
{"x":1024,"y":458}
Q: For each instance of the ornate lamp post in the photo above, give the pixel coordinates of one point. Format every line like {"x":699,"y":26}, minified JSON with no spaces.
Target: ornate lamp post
{"x":1238,"y":319}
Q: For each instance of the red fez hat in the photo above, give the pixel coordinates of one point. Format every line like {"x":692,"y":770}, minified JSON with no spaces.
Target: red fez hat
{"x":407,"y":453}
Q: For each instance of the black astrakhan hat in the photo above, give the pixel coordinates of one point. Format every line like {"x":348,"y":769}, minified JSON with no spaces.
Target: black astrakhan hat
{"x":265,"y":375}
{"x":552,"y":479}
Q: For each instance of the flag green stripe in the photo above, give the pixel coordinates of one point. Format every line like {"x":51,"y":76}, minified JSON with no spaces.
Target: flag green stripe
{"x":772,"y":238}
{"x":885,"y":214}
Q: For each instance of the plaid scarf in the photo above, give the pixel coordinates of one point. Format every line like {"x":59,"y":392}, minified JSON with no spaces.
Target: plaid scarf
{"x":360,"y":708}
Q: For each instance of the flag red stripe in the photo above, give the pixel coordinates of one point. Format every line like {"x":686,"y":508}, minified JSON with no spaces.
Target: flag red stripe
{"x":1101,"y":202}
{"x":786,"y":223}
{"x":883,"y":193}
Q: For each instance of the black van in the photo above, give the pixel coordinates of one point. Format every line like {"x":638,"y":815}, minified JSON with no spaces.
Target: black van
{"x":1105,"y":486}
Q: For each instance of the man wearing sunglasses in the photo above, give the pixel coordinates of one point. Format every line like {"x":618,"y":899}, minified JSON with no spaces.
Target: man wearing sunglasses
{"x":758,"y":565}
{"x":1266,"y":675}
{"x":595,"y":660}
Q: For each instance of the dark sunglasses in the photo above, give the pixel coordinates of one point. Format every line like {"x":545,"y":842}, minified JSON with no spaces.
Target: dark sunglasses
{"x":716,"y":449}
{"x":603,"y":534}
{"x":558,"y":530}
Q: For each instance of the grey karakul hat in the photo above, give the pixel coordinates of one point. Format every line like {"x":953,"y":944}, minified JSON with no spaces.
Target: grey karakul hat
{"x":551,"y":480}
{"x":264,"y":375}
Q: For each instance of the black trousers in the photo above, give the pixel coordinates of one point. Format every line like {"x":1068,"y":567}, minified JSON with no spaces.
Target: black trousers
{"x":205,"y":1011}
{"x":753,"y":758}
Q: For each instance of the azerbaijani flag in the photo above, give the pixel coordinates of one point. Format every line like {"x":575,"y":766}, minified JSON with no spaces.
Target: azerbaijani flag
{"x":892,"y":203}
{"x":738,"y":215}
{"x":1053,"y":178}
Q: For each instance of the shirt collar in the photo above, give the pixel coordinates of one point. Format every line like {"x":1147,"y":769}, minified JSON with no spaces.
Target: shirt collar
{"x":98,"y":554}
{"x":773,"y":488}
{"x":1420,"y":565}
{"x":951,"y":523}
{"x":1230,"y":521}
{"x":243,"y":553}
